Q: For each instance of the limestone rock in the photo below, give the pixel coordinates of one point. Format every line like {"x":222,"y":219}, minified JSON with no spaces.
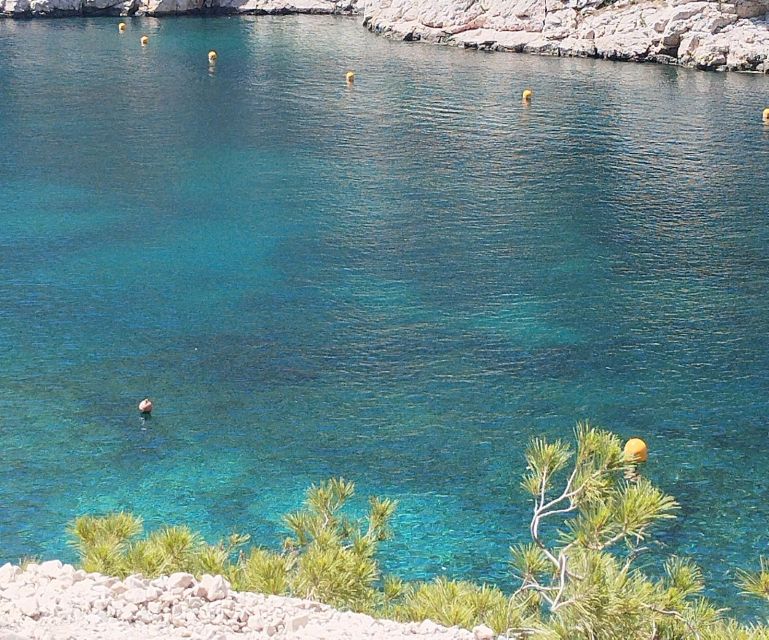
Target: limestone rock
{"x":29,"y":606}
{"x":254,"y":623}
{"x":297,"y":622}
{"x":212,"y":588}
{"x":8,"y":573}
{"x":679,"y":31}
{"x":427,"y":627}
{"x":51,"y":568}
{"x":180,"y":581}
{"x":134,"y":582}
{"x":690,"y":33}
{"x":482,"y":632}
{"x":135,"y":596}
{"x":279,"y":6}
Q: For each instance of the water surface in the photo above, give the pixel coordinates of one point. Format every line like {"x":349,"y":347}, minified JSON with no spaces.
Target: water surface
{"x":399,"y":282}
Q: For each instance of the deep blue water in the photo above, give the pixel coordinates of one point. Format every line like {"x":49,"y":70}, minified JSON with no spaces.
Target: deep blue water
{"x":400,"y":282}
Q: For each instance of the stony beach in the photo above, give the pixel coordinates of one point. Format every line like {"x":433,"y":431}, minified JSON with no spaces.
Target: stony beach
{"x":55,"y":601}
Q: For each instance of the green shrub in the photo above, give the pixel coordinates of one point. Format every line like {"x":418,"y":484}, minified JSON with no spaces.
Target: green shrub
{"x":263,"y":571}
{"x":578,"y":577}
{"x":328,"y":556}
{"x":463,"y":604}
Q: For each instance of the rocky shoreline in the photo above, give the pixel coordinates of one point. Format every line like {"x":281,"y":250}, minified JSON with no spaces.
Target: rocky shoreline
{"x":157,"y":8}
{"x":54,"y":601}
{"x":703,"y":34}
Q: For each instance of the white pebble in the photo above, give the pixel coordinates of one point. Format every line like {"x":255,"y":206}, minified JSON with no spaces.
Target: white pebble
{"x":29,"y":606}
{"x":482,"y":632}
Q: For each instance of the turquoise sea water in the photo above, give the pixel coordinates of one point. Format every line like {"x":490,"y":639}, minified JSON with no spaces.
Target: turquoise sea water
{"x":399,"y":282}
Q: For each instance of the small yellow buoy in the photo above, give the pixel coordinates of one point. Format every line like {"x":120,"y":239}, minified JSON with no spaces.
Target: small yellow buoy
{"x":145,"y":40}
{"x":636,"y":450}
{"x":121,"y":27}
{"x":766,"y":114}
{"x":350,"y":76}
{"x":212,"y":56}
{"x":527,"y":95}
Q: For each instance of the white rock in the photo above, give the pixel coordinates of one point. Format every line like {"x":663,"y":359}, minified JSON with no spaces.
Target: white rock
{"x":159,"y":583}
{"x":62,"y":582}
{"x":128,"y":613}
{"x":136,"y":596}
{"x":144,"y":616}
{"x":21,"y":590}
{"x":29,"y":606}
{"x":135,"y":582}
{"x":8,"y":573}
{"x":297,"y":622}
{"x":50,"y":568}
{"x":153,"y":593}
{"x":627,"y":29}
{"x":751,"y":8}
{"x":482,"y":632}
{"x":427,"y":627}
{"x":212,"y":588}
{"x":180,"y":581}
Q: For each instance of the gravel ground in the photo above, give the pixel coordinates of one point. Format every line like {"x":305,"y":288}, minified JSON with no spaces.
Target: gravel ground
{"x":52,"y":601}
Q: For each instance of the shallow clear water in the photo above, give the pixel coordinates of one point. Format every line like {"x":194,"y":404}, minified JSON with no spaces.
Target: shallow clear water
{"x":399,"y":282}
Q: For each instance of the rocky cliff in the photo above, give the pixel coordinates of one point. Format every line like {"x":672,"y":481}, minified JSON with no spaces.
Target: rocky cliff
{"x":59,"y":8}
{"x":707,"y":34}
{"x":703,"y":34}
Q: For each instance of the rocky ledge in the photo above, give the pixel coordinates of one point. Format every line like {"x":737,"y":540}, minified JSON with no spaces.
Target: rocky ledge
{"x":63,"y":8}
{"x":705,"y":34}
{"x":728,"y":35}
{"x":54,"y":601}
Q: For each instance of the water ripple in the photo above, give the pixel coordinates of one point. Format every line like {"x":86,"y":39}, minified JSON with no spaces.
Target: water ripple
{"x":399,"y":281}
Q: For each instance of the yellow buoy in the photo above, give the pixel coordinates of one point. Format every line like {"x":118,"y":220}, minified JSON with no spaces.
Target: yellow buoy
{"x":636,"y":450}
{"x":350,"y":76}
{"x":527,"y":95}
{"x":212,"y":56}
{"x":144,"y":40}
{"x":121,"y":27}
{"x":766,"y":114}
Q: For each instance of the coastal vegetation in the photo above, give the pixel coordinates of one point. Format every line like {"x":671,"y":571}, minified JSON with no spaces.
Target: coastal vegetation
{"x":578,"y":578}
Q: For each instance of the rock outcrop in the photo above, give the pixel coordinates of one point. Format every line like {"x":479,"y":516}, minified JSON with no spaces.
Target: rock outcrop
{"x":61,"y":8}
{"x":706,"y":34}
{"x":702,"y":34}
{"x":54,"y":600}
